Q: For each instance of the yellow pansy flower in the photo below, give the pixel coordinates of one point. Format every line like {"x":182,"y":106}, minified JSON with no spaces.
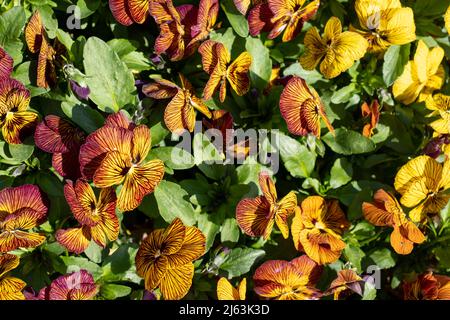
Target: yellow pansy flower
{"x":447,"y":20}
{"x":421,"y":76}
{"x":422,"y":182}
{"x":440,"y":105}
{"x":336,"y":51}
{"x":385,"y":23}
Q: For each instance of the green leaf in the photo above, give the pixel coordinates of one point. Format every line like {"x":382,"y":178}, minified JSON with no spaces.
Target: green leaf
{"x":113,"y":291}
{"x":74,"y":264}
{"x":236,"y":19}
{"x":83,"y":115}
{"x":382,"y":258}
{"x":354,"y":254}
{"x":117,"y":265}
{"x":395,"y":59}
{"x":348,"y":142}
{"x":110,"y":81}
{"x":172,"y":203}
{"x":261,"y":67}
{"x":341,"y":173}
{"x":443,"y":256}
{"x":344,"y":94}
{"x":230,"y":231}
{"x":11,"y":24}
{"x":21,"y":152}
{"x":297,"y":159}
{"x":370,"y":291}
{"x":94,"y":252}
{"x":173,"y":157}
{"x":208,"y":227}
{"x":240,"y":260}
{"x":87,"y":7}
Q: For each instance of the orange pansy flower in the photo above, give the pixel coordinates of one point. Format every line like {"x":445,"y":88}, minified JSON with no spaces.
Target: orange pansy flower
{"x":21,"y":209}
{"x":225,"y":291}
{"x":373,"y":113}
{"x":256,"y":216}
{"x":10,"y":287}
{"x":6,"y":64}
{"x":282,"y":16}
{"x":115,"y":154}
{"x":386,"y":211}
{"x":165,"y":259}
{"x":244,"y":5}
{"x":208,"y":11}
{"x":302,"y":108}
{"x":180,"y":112}
{"x":317,"y":228}
{"x":15,"y":120}
{"x":38,"y":42}
{"x":216,"y":62}
{"x":427,"y":286}
{"x":97,"y":217}
{"x":126,"y":12}
{"x":288,"y":280}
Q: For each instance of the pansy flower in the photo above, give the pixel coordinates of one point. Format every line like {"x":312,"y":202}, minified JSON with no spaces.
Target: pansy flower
{"x":208,"y":11}
{"x":336,"y":51}
{"x":427,"y":286}
{"x":115,"y":154}
{"x":371,"y":111}
{"x":21,"y":209}
{"x":10,"y":287}
{"x":165,"y":259}
{"x":226,"y":291}
{"x":422,"y":182}
{"x":60,"y":138}
{"x":256,"y":216}
{"x":6,"y":64}
{"x":15,"y":120}
{"x":386,"y":211}
{"x":302,"y":108}
{"x":440,"y":105}
{"x":288,"y":280}
{"x":97,"y":217}
{"x":127,"y":12}
{"x":180,"y":111}
{"x":385,"y":23}
{"x":347,"y":282}
{"x":244,"y":5}
{"x":38,"y":43}
{"x":175,"y":27}
{"x":216,"y":62}
{"x":285,"y":16}
{"x":317,"y":229}
{"x":421,"y":76}
{"x":78,"y":285}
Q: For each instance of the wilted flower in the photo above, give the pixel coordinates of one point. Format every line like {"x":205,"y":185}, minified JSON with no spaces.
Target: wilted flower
{"x":180,"y":111}
{"x":281,"y":16}
{"x":421,"y":76}
{"x":10,"y":287}
{"x":427,"y":286}
{"x":78,"y":285}
{"x":126,"y":12}
{"x":256,"y":216}
{"x":115,"y":154}
{"x":216,"y":62}
{"x":15,"y":120}
{"x":21,"y":209}
{"x":440,"y":105}
{"x":165,"y":257}
{"x":317,"y":229}
{"x":422,"y":182}
{"x":97,"y":217}
{"x":386,"y":211}
{"x":372,"y":112}
{"x":6,"y":64}
{"x":347,"y":282}
{"x":38,"y":42}
{"x":336,"y":51}
{"x":225,"y":291}
{"x":288,"y":280}
{"x":302,"y":108}
{"x":62,"y":139}
{"x":385,"y":23}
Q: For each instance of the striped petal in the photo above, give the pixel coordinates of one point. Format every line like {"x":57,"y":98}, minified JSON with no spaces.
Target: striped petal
{"x":176,"y":282}
{"x":378,"y":213}
{"x":82,"y":202}
{"x":149,"y":253}
{"x":160,"y":89}
{"x":119,"y":120}
{"x":34,"y":32}
{"x":78,"y":285}
{"x":174,"y":236}
{"x":285,"y":209}
{"x":17,"y":125}
{"x":178,"y":114}
{"x":225,"y":291}
{"x":11,"y":289}
{"x":6,"y":64}
{"x":67,"y":164}
{"x":193,"y":247}
{"x":26,"y":196}
{"x":323,"y":248}
{"x":8,"y":262}
{"x":260,"y":19}
{"x":141,"y":143}
{"x":22,"y":219}
{"x":139,"y":10}
{"x":139,"y":182}
{"x":75,"y":240}
{"x":255,"y":217}
{"x":213,"y":53}
{"x":112,"y":170}
{"x":237,"y":73}
{"x":121,"y":12}
{"x":10,"y":241}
